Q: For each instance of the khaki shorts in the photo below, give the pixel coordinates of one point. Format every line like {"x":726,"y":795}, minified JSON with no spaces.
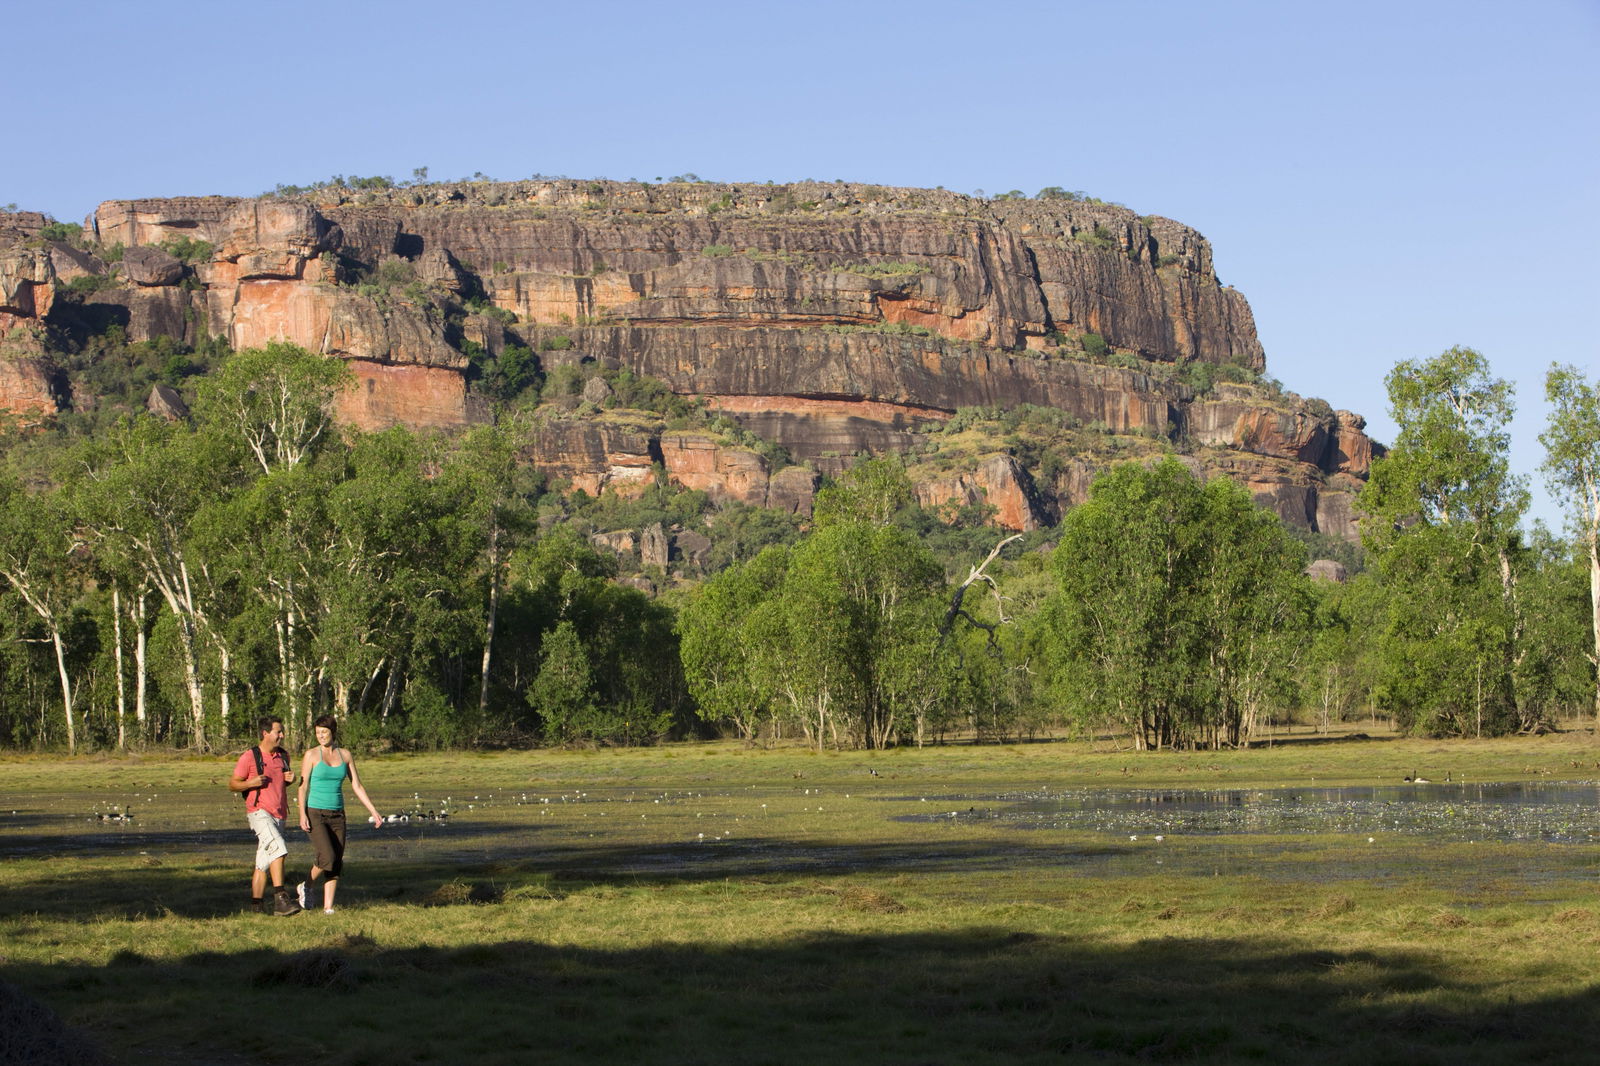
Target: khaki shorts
{"x":269,"y":838}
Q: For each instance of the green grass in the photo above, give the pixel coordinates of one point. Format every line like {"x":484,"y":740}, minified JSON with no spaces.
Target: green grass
{"x":601,"y":926}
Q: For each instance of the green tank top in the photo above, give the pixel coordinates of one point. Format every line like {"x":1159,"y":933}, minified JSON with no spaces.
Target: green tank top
{"x":327,"y":786}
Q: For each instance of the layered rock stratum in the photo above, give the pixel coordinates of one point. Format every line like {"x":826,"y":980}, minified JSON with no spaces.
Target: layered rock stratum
{"x":833,"y":319}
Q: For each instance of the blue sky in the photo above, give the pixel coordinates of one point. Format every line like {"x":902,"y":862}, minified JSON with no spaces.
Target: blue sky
{"x":1381,"y":180}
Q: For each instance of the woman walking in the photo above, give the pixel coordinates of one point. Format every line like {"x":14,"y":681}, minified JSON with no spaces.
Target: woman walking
{"x":323,"y":771}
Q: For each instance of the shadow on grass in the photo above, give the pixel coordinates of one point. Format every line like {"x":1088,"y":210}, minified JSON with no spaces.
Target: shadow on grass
{"x":1311,"y":740}
{"x":977,"y":996}
{"x":153,"y":887}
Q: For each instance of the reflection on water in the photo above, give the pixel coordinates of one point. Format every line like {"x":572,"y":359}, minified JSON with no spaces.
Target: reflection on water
{"x":1560,"y":813}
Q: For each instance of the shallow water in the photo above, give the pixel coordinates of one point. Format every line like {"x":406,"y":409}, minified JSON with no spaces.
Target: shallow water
{"x":1503,"y":839}
{"x":1562,"y":813}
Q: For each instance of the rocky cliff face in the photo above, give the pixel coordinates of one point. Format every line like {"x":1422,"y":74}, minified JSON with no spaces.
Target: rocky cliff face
{"x":832,"y":319}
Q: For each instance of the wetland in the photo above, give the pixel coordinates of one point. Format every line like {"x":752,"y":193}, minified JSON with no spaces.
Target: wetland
{"x":1047,"y":902}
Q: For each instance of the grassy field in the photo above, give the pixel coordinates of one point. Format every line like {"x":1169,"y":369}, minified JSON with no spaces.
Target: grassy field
{"x":716,"y":903}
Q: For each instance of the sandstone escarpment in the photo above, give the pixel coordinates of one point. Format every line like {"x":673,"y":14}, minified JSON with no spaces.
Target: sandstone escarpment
{"x":833,"y":319}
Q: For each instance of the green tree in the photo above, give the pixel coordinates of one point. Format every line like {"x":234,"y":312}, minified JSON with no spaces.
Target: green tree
{"x":863,"y":604}
{"x":400,"y":543}
{"x":563,"y":690}
{"x":1572,"y":467}
{"x":276,"y":401}
{"x":719,"y":642}
{"x":873,"y":491}
{"x":1177,"y":603}
{"x":628,"y":638}
{"x":500,"y":491}
{"x":136,"y":491}
{"x":39,"y":561}
{"x":1444,"y":508}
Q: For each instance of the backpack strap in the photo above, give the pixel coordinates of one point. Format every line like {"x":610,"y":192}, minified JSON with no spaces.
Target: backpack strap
{"x":261,"y":770}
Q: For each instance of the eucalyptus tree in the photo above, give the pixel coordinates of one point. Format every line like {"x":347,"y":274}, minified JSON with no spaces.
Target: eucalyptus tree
{"x":1257,"y":607}
{"x":838,"y":636}
{"x":1572,"y":467}
{"x":864,"y":603}
{"x":1444,"y":508}
{"x":276,"y":402}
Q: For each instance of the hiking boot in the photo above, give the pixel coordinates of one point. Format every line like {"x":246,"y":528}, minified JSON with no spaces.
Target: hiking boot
{"x":255,"y":906}
{"x":282,"y":904}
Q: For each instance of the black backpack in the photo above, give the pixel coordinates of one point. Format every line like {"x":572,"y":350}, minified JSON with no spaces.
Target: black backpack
{"x":261,"y":767}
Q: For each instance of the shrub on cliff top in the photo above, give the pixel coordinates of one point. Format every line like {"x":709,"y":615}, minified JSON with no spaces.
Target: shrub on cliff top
{"x":62,"y":231}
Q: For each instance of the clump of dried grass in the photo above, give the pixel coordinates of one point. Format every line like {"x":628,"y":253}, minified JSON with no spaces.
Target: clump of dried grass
{"x":861,"y":898}
{"x":32,"y":1032}
{"x":458,"y":893}
{"x":1334,"y":906}
{"x":312,"y":968}
{"x":871,"y":901}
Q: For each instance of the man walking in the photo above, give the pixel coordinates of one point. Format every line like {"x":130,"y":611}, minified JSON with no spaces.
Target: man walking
{"x":262,"y":774}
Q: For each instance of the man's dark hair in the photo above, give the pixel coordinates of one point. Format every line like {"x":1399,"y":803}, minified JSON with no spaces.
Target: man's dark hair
{"x":267,"y":722}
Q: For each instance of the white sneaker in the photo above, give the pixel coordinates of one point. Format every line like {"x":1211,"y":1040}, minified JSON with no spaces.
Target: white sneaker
{"x":300,"y":894}
{"x":327,"y":910}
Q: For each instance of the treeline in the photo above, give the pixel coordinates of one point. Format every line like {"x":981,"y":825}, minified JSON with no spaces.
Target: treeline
{"x":166,"y":582}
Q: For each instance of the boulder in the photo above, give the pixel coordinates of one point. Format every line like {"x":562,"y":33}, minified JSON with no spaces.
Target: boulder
{"x":144,"y":265}
{"x":1328,"y":570}
{"x":596,"y":391}
{"x":619,"y":542}
{"x":653,"y":546}
{"x":165,"y":402}
{"x":693,"y":548}
{"x":996,"y":481}
{"x":31,"y":388}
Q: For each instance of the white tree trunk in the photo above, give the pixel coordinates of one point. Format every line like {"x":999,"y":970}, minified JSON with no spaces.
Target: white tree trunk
{"x":141,"y":673}
{"x":122,"y":688}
